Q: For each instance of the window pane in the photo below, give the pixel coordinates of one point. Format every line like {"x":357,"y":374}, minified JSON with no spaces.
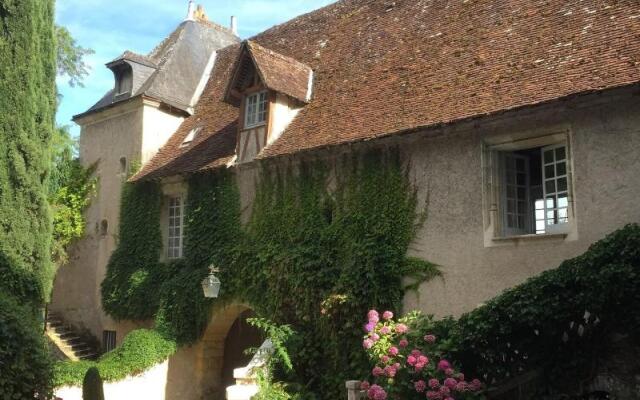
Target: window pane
{"x":562,"y":184}
{"x":561,"y":168}
{"x":549,"y":171}
{"x":522,"y":207}
{"x":562,"y":213}
{"x":522,"y":179}
{"x":520,"y":165}
{"x":511,"y":206}
{"x":522,"y":193}
{"x":548,"y":156}
{"x":511,"y":221}
{"x":550,"y":186}
{"x":511,"y":192}
{"x":551,"y":202}
{"x":560,"y":153}
{"x":563,"y":202}
{"x":520,"y":221}
{"x":539,"y":214}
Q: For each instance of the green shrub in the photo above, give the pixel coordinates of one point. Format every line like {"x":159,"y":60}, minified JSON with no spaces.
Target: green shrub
{"x":92,"y":385}
{"x":558,"y":322}
{"x":25,"y":363}
{"x":140,"y":350}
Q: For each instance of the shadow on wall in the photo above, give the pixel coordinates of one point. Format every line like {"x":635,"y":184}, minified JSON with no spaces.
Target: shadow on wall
{"x":205,"y":369}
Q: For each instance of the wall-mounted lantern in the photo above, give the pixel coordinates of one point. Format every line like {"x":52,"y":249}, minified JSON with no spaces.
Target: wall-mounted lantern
{"x":211,"y":284}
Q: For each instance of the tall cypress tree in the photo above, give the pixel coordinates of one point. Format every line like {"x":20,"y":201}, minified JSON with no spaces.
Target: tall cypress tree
{"x":27,"y":108}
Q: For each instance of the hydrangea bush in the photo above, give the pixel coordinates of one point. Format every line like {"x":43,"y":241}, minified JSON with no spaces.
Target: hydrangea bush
{"x":408,"y":366}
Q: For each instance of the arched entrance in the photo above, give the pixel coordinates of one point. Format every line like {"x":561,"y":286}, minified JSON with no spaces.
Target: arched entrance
{"x":223,"y":345}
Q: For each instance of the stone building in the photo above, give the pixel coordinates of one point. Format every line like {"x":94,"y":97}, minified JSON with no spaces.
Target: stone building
{"x":520,"y":120}
{"x":152,"y":95}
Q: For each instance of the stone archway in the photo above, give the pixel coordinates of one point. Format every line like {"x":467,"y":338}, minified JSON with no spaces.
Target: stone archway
{"x":223,"y":344}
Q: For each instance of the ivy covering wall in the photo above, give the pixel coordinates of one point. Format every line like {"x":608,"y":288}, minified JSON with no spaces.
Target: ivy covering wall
{"x":316,"y":253}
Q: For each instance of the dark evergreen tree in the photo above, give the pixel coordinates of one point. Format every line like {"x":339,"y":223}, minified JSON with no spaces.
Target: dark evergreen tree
{"x":27,"y":107}
{"x":92,"y":388}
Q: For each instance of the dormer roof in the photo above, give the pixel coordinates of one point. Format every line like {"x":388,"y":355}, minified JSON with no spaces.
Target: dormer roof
{"x":172,"y":72}
{"x":132,"y":57}
{"x":277,"y":72}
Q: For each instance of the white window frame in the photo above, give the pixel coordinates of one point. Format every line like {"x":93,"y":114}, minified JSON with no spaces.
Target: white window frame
{"x":556,"y":201}
{"x":255,"y":111}
{"x":175,"y":219}
{"x":496,"y":232}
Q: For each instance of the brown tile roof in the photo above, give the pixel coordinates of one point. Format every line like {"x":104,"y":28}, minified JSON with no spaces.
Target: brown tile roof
{"x":382,"y":67}
{"x":280,"y":73}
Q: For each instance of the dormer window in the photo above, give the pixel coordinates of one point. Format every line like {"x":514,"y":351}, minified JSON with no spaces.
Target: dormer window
{"x":124,"y":80}
{"x":255,"y":109}
{"x":269,"y":89}
{"x":190,"y":136}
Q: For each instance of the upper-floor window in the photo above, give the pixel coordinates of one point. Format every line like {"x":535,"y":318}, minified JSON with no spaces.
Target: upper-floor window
{"x":534,"y":190}
{"x":124,"y":80}
{"x":255,"y":109}
{"x":175,"y":234}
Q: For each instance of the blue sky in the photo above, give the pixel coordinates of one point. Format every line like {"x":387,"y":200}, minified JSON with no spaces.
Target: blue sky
{"x":111,"y":26}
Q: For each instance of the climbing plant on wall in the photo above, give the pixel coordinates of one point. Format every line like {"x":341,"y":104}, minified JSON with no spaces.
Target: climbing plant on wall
{"x":134,"y":273}
{"x":317,"y":252}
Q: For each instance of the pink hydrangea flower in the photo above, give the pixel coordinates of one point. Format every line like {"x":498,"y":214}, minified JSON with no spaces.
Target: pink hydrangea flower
{"x":369,"y":327}
{"x":434,"y":383}
{"x":372,"y":314}
{"x":423,"y":359}
{"x":431,"y":395}
{"x":475,"y":385}
{"x":402,"y":328}
{"x":384,"y":359}
{"x":444,"y":365}
{"x":460,"y":376}
{"x":403,"y":343}
{"x":419,"y":366}
{"x":387,"y":315}
{"x":367,"y":343}
{"x":445,"y":390}
{"x":411,"y":360}
{"x":364,"y":385}
{"x":375,"y":337}
{"x":377,"y":371}
{"x":376,"y":392}
{"x":393,"y":351}
{"x":390,"y":371}
{"x":385,"y":330}
{"x":420,"y":386}
{"x":448,"y":372}
{"x":461,"y":387}
{"x":415,"y":352}
{"x":450,"y":383}
{"x":431,"y":339}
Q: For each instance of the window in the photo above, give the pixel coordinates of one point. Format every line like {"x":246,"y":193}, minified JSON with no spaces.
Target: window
{"x":123,"y":165}
{"x":534,"y":190}
{"x":124,"y":80}
{"x":190,"y":137}
{"x":174,"y":245}
{"x":255,"y":109}
{"x":104,"y":227}
{"x":108,"y":340}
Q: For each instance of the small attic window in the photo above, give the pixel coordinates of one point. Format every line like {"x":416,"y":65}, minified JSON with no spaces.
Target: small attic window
{"x":124,"y":80}
{"x":190,"y":136}
{"x":255,"y":109}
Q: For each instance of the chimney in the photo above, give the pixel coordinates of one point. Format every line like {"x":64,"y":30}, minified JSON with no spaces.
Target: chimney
{"x":200,"y":15}
{"x":191,"y":11}
{"x":234,"y":25}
